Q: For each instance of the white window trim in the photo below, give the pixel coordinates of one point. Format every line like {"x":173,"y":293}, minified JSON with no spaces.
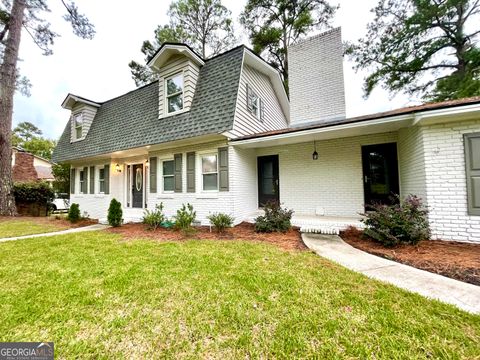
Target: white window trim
{"x":75,"y":127}
{"x":162,"y":176}
{"x":257,"y":113}
{"x":80,"y":170}
{"x":97,"y":178}
{"x":166,"y":96}
{"x":200,"y":170}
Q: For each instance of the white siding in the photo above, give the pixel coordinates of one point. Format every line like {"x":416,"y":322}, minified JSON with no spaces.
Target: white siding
{"x":412,"y":162}
{"x":178,"y":63}
{"x":88,"y":116}
{"x":245,"y":123}
{"x":446,"y":182}
{"x":334,"y":182}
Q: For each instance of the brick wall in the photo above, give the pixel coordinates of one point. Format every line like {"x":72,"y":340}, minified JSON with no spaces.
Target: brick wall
{"x":446,"y":182}
{"x":23,"y":170}
{"x":316,"y":81}
{"x":334,"y":182}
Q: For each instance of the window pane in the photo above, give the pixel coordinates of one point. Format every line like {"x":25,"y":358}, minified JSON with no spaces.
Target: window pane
{"x":175,"y":103}
{"x":78,"y":120}
{"x":175,"y":84}
{"x":209,"y":164}
{"x":81,"y":175}
{"x":101,"y":174}
{"x":168,"y":167}
{"x":102,"y":186}
{"x":78,"y":132}
{"x":210,"y":182}
{"x":168,"y":183}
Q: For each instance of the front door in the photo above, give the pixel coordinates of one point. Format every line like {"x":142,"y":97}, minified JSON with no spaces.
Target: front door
{"x":380,"y":173}
{"x":268,"y":187}
{"x":137,"y":186}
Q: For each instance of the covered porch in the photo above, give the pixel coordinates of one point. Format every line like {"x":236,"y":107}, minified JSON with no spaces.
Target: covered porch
{"x":329,"y":175}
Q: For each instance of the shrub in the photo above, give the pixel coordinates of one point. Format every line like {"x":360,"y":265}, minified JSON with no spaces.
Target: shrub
{"x":184,"y":218}
{"x":115,"y":213}
{"x":221,"y":221}
{"x":153,"y":219}
{"x":74,"y":213}
{"x":276,"y":219}
{"x":33,"y":192}
{"x":403,"y":223}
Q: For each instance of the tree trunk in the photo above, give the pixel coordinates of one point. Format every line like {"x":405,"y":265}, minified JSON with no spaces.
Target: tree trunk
{"x":8,"y":72}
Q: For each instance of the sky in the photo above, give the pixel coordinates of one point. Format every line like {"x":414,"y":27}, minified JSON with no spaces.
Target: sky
{"x":98,"y":69}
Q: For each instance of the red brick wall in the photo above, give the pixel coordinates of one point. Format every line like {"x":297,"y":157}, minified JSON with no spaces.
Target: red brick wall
{"x":23,"y":170}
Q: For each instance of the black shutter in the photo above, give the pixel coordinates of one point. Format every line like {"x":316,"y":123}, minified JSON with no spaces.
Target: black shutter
{"x":72,"y":181}
{"x":178,"y":172}
{"x":85,"y":180}
{"x":191,"y":172}
{"x":92,"y":179}
{"x":472,"y":167}
{"x":223,"y":168}
{"x":106,"y":174}
{"x":153,"y":174}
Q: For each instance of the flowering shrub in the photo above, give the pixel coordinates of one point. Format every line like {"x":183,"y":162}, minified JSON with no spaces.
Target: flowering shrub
{"x":403,"y":223}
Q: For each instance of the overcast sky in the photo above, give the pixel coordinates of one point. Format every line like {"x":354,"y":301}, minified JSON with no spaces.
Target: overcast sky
{"x":98,"y":69}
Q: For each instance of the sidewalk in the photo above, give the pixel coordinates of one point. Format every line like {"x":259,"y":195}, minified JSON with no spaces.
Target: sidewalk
{"x":69,"y":231}
{"x":463,"y":295}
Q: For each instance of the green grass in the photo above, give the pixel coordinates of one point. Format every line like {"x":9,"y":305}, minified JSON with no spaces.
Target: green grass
{"x":21,"y":227}
{"x":97,"y":296}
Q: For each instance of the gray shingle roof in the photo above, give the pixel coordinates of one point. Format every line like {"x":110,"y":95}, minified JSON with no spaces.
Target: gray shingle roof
{"x":131,"y":120}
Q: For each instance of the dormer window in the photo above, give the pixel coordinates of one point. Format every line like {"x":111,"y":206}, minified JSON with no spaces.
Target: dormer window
{"x":174,"y":93}
{"x":78,"y":122}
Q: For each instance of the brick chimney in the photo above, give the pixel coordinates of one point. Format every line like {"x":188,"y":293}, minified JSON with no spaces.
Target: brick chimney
{"x":23,"y":170}
{"x":316,"y":84}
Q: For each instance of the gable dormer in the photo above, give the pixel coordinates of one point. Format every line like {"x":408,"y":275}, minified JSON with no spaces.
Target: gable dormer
{"x":82,"y":113}
{"x":177,"y":66}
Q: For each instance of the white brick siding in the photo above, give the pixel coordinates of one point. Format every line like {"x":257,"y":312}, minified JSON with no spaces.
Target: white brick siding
{"x":446,"y":182}
{"x":334,"y":182}
{"x":411,"y":162}
{"x":316,"y":82}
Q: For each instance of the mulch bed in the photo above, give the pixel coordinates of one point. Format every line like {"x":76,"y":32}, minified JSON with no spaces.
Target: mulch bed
{"x":290,"y":240}
{"x":456,"y":260}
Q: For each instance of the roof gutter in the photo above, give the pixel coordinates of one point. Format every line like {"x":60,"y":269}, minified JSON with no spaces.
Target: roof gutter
{"x":326,"y":129}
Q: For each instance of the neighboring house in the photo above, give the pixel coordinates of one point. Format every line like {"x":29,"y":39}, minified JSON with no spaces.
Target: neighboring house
{"x":221,"y":135}
{"x":28,"y":167}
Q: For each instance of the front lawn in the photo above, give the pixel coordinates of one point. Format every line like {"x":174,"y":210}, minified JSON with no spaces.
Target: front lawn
{"x":97,"y":295}
{"x":20,"y":226}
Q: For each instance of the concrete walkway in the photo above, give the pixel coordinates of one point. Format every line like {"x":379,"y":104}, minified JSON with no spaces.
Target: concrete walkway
{"x":63,"y":232}
{"x":463,"y":295}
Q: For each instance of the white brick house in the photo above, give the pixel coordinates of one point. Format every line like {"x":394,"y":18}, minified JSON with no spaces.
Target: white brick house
{"x":222,"y":135}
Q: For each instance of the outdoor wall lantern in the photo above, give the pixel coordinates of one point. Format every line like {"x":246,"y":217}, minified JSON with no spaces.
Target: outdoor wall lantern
{"x":315,"y":153}
{"x":118,"y":168}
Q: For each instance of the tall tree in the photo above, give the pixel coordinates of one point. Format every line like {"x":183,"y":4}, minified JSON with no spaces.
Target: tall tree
{"x":26,"y":14}
{"x":422,"y":47}
{"x":273,"y":25}
{"x":25,"y":131}
{"x":204,"y":25}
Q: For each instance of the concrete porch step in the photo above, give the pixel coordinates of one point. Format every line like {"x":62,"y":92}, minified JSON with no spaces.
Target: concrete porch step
{"x":129,"y":216}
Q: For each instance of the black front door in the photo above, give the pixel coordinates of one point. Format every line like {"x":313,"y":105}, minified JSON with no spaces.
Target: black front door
{"x":268,"y":187}
{"x":380,"y":173}
{"x":137,"y":186}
